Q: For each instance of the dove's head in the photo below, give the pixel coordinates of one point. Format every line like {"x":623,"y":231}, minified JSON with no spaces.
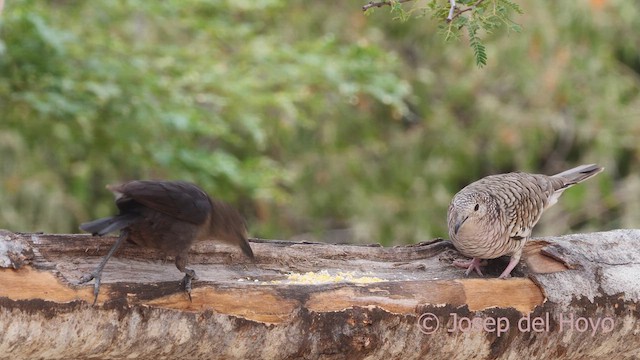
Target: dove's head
{"x":469,"y":212}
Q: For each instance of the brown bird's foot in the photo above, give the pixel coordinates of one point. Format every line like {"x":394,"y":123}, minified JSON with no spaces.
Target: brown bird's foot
{"x":186,"y":282}
{"x":97,"y":275}
{"x":474,"y":264}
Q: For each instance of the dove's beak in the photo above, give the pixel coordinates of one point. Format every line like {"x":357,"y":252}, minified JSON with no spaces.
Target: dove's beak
{"x":459,"y":225}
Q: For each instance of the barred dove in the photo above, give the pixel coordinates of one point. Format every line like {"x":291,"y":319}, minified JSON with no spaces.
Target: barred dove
{"x":494,"y":216}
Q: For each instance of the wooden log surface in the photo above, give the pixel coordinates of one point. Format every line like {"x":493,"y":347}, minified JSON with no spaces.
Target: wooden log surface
{"x":572,"y":297}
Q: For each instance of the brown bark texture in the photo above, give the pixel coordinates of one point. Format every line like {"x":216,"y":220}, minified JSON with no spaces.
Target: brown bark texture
{"x":572,"y":297}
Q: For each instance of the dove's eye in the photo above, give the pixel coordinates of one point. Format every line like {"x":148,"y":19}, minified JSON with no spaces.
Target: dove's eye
{"x":476,"y":207}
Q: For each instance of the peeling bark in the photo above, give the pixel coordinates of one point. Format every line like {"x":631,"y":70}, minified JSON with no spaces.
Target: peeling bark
{"x":572,"y":297}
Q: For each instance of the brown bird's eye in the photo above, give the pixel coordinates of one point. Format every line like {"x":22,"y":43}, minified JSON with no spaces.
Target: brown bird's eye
{"x":476,"y":207}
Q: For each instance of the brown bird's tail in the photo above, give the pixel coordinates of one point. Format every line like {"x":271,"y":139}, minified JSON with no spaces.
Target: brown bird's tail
{"x":104,"y":226}
{"x":578,"y":174}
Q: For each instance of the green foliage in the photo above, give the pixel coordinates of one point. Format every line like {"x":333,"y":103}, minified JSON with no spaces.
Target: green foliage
{"x":473,"y":15}
{"x":479,"y":51}
{"x":311,"y":117}
{"x":90,"y":105}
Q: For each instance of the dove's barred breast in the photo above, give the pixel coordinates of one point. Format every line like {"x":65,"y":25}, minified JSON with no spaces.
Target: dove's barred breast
{"x":515,"y":202}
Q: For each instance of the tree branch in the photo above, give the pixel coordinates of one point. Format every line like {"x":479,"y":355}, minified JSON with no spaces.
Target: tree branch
{"x":454,"y":14}
{"x":451,"y":10}
{"x":378,"y":4}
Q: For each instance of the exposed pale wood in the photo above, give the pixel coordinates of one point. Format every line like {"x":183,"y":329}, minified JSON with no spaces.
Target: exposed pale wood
{"x":242,"y":309}
{"x":540,"y":262}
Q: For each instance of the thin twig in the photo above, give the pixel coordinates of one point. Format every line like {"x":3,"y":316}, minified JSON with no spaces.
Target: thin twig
{"x":454,"y":12}
{"x":378,"y":4}
{"x":451,"y":10}
{"x":452,"y":16}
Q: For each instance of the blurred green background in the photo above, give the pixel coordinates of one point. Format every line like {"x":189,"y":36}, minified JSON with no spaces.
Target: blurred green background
{"x":316,"y":121}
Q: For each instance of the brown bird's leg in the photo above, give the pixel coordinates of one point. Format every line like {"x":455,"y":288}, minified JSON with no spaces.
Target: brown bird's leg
{"x":97,"y":273}
{"x":474,"y":264}
{"x":189,"y":274}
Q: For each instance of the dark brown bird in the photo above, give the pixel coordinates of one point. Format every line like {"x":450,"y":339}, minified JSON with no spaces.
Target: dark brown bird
{"x":169,"y":216}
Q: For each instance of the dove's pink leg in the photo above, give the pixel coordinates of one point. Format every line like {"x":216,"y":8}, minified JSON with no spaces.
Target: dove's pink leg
{"x":474,"y":264}
{"x":512,"y":263}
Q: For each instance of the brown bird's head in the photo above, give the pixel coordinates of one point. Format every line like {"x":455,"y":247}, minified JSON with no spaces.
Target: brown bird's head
{"x":227,"y":225}
{"x":468,"y":210}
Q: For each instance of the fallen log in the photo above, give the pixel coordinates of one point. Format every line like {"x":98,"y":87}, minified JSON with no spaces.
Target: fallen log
{"x":572,"y":297}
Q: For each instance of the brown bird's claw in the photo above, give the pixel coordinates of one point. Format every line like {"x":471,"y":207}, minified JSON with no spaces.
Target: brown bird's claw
{"x":186,"y":282}
{"x":97,"y":273}
{"x":186,"y":286}
{"x":470,"y":266}
{"x":96,"y":286}
{"x":86,"y":278}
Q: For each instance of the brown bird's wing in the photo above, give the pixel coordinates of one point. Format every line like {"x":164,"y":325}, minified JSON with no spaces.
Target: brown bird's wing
{"x":178,"y":199}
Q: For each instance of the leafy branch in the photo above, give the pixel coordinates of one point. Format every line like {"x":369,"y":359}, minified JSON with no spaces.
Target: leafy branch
{"x":379,"y":4}
{"x":476,"y":17}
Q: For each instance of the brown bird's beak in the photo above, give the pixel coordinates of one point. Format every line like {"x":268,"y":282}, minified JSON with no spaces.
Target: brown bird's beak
{"x":459,"y":225}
